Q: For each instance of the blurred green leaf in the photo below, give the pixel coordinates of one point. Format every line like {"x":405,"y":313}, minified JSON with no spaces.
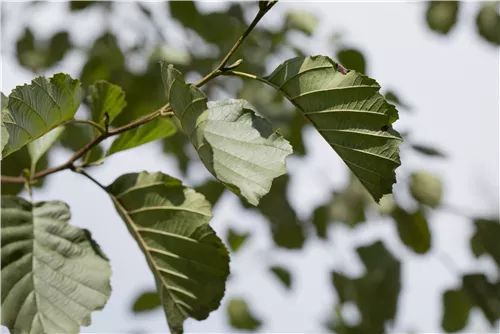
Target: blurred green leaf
{"x":171,"y":55}
{"x":488,"y":22}
{"x":105,"y":98}
{"x":240,"y":316}
{"x":14,"y":164}
{"x":486,"y":240}
{"x":5,"y":134}
{"x":177,"y":146}
{"x":428,"y":150}
{"x":376,"y":293}
{"x":352,"y":59}
{"x":40,"y":146}
{"x":301,"y":21}
{"x":426,"y":188}
{"x":77,"y":136}
{"x":37,"y":56}
{"x":212,"y":190}
{"x":456,"y":307}
{"x":484,"y":294}
{"x":235,"y":240}
{"x":391,"y":96}
{"x":283,"y":275}
{"x":156,"y":129}
{"x":413,"y":229}
{"x":286,"y":228}
{"x":146,"y":301}
{"x":442,"y":15}
{"x":81,"y":5}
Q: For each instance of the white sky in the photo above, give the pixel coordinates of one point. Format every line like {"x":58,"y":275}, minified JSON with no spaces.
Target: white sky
{"x":452,"y":83}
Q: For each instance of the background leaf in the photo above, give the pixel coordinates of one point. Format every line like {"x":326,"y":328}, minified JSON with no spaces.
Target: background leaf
{"x":352,"y":59}
{"x":426,"y":188}
{"x":428,"y":150}
{"x":488,"y":22}
{"x":240,"y":316}
{"x":456,"y":307}
{"x":146,"y":301}
{"x":413,"y":229}
{"x":303,"y":21}
{"x":170,"y":224}
{"x":104,"y":97}
{"x":53,"y":276}
{"x":442,"y":15}
{"x":486,"y":238}
{"x":283,"y":275}
{"x":235,"y":240}
{"x":349,"y":113}
{"x":156,"y":129}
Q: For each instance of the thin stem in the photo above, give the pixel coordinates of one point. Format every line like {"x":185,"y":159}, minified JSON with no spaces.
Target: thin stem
{"x":221,"y":68}
{"x":249,"y":76}
{"x":82,"y":172}
{"x":86,"y":121}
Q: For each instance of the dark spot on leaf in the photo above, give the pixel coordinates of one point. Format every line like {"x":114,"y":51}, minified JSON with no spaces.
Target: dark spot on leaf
{"x":384,"y":128}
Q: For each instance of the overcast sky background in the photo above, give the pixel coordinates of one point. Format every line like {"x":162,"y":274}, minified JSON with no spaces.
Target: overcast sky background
{"x":452,"y":83}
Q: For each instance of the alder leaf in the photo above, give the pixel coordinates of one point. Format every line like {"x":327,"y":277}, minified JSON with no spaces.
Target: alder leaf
{"x":426,"y":188}
{"x":240,"y":316}
{"x":413,"y":229}
{"x":170,"y":223}
{"x":349,"y":112}
{"x":283,"y":275}
{"x":456,"y":306}
{"x":5,"y":133}
{"x":39,"y":147}
{"x":146,"y":301}
{"x":238,"y":147}
{"x":53,"y":274}
{"x":35,"y":109}
{"x":156,"y":129}
{"x":105,"y":98}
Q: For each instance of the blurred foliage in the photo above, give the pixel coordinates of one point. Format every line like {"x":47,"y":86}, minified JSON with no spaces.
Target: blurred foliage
{"x":207,"y":35}
{"x":240,"y":316}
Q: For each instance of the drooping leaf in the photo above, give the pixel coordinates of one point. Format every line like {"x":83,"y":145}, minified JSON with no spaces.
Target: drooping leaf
{"x":488,"y":22}
{"x":212,"y":190}
{"x":53,"y":274}
{"x":428,"y":150}
{"x":349,"y":112}
{"x":156,"y":129}
{"x":240,"y":316}
{"x":376,"y":293}
{"x":426,"y":188}
{"x":238,"y":147}
{"x":40,"y":146}
{"x":301,"y":21}
{"x":442,"y":15}
{"x":105,"y":98}
{"x":283,"y":275}
{"x":484,"y":294}
{"x":235,"y":239}
{"x":486,"y":239}
{"x":36,"y":109}
{"x":352,"y":59}
{"x":413,"y":229}
{"x":146,"y":301}
{"x":456,"y":307}
{"x":170,"y":223}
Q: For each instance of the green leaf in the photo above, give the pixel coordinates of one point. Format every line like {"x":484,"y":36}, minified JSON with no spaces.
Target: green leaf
{"x":286,"y":228}
{"x":488,"y":22}
{"x":235,"y":240}
{"x":376,"y":293}
{"x":391,"y":96}
{"x":105,"y":98}
{"x":171,"y":55}
{"x":177,"y":146}
{"x":426,"y":188}
{"x":156,"y":129}
{"x":35,"y":109}
{"x":484,"y":294}
{"x":212,"y":190}
{"x":485,"y":240}
{"x":428,"y":150}
{"x":53,"y":274}
{"x":456,"y":307}
{"x":238,"y":147}
{"x":170,"y":223}
{"x":39,"y":147}
{"x":146,"y":301}
{"x":240,"y":316}
{"x":15,"y":165}
{"x":283,"y":275}
{"x":352,"y":59}
{"x":301,"y":21}
{"x":5,"y":133}
{"x":442,"y":15}
{"x":349,"y":112}
{"x":413,"y":229}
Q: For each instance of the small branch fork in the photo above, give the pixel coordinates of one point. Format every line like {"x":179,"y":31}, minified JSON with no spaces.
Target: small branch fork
{"x":165,"y":111}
